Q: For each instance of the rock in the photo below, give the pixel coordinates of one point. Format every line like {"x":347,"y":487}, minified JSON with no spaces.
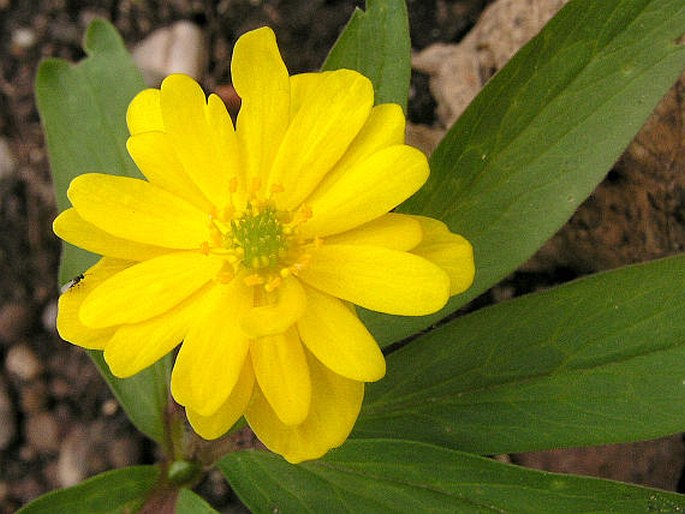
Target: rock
{"x":8,"y":418}
{"x":15,"y":321}
{"x":23,"y":363}
{"x":458,"y":72}
{"x":7,"y":161}
{"x":179,"y":48}
{"x":42,"y":432}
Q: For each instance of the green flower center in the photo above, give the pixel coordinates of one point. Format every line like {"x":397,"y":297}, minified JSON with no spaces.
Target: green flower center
{"x":258,"y":237}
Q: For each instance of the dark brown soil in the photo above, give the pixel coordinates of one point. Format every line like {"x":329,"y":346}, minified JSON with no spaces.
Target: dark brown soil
{"x":58,"y":421}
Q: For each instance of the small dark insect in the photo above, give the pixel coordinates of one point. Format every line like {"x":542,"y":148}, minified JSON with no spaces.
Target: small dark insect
{"x":72,"y":283}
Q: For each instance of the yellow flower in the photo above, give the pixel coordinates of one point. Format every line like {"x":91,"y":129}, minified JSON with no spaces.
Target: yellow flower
{"x":252,"y":246}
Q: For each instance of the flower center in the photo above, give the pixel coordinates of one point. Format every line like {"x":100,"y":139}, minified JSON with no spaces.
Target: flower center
{"x":260,"y":243}
{"x":258,"y":237}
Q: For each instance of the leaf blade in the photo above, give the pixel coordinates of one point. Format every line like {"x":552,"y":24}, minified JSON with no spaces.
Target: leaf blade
{"x":565,"y":367}
{"x":402,"y":476}
{"x":83,"y":111}
{"x":190,"y":503}
{"x":543,"y":132}
{"x":119,"y":491}
{"x":376,"y":43}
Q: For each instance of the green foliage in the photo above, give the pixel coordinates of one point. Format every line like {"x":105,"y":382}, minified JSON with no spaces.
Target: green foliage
{"x":595,"y":361}
{"x":565,"y":367}
{"x":83,"y":110}
{"x":401,"y":476}
{"x":120,"y":491}
{"x":543,"y":133}
{"x":190,"y":503}
{"x":376,"y":43}
{"x":143,"y":397}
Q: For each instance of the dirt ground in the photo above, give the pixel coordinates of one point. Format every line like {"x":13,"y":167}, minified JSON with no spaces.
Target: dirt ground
{"x":58,"y":421}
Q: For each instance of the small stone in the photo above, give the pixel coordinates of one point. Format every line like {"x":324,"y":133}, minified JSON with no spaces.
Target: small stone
{"x":72,"y":463}
{"x":34,"y":396}
{"x":59,"y":388}
{"x":179,"y":48}
{"x":23,"y":38}
{"x":49,"y":318}
{"x":109,"y":407}
{"x":123,"y":452}
{"x":27,"y":453}
{"x":42,"y":432}
{"x":8,"y":419}
{"x":7,"y":161}
{"x":15,"y":321}
{"x":23,"y":363}
{"x":26,"y":489}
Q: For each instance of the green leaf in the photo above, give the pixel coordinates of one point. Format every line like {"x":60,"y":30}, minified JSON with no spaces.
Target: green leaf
{"x":143,"y":396}
{"x":190,"y":503}
{"x":376,"y":43}
{"x":543,"y":133}
{"x":599,"y":360}
{"x":83,"y":110}
{"x":401,"y":476}
{"x":119,"y":491}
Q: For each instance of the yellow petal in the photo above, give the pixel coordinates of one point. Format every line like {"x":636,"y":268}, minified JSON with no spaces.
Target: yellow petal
{"x":384,"y":128}
{"x":283,"y":375}
{"x":378,"y":279}
{"x":136,"y":210}
{"x":75,"y":230}
{"x":214,"y":350}
{"x":335,"y":405}
{"x":69,"y":325}
{"x":320,"y":133}
{"x":366,"y":191}
{"x":136,"y":346}
{"x":217,"y":424}
{"x":144,"y":113}
{"x":450,"y":251}
{"x":155,"y":156}
{"x":394,"y":231}
{"x":225,"y":141}
{"x":148,"y":289}
{"x":285,"y":306}
{"x":336,"y":337}
{"x":261,"y":80}
{"x":184,"y":111}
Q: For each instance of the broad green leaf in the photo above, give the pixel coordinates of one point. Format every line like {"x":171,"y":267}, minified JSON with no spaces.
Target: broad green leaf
{"x":543,"y":133}
{"x":83,"y":110}
{"x":376,"y":43}
{"x":401,"y":476}
{"x":190,"y":503}
{"x":598,"y":360}
{"x":119,"y":491}
{"x":144,"y":396}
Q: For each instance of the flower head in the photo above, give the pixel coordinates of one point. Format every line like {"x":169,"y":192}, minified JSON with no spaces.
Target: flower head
{"x":249,"y":247}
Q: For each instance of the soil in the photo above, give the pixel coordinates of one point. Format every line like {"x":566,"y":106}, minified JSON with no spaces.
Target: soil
{"x":58,"y":421}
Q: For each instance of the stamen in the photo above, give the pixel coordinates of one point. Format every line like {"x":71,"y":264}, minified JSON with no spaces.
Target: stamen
{"x":253,"y":280}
